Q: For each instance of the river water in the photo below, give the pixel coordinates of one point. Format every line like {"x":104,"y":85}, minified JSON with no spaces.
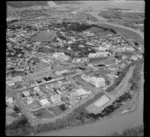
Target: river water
{"x":122,"y":4}
{"x":106,"y":127}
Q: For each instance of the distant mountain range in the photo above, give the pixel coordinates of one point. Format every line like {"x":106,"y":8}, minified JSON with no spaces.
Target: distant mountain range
{"x":22,"y":4}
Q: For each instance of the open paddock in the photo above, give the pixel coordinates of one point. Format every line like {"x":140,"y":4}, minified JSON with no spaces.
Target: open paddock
{"x":42,"y":113}
{"x":55,"y":110}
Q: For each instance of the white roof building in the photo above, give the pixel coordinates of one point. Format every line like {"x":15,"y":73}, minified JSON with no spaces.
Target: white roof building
{"x":103,"y":100}
{"x":98,"y":54}
{"x":30,"y":100}
{"x":81,"y":92}
{"x":60,"y":55}
{"x":61,"y":72}
{"x":9,"y":100}
{"x":10,"y":83}
{"x":26,"y":93}
{"x":17,"y":79}
{"x":102,"y":48}
{"x":44,"y":102}
{"x":97,"y":82}
{"x":56,"y":99}
{"x":37,"y":89}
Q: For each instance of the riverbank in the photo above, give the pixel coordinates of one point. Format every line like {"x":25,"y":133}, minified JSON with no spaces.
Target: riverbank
{"x":106,"y":126}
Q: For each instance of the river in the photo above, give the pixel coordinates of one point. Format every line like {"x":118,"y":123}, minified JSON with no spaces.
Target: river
{"x":122,"y":4}
{"x":106,"y":126}
{"x":117,"y":123}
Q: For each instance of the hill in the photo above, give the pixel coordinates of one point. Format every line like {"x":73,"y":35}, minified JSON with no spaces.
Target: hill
{"x":21,"y":4}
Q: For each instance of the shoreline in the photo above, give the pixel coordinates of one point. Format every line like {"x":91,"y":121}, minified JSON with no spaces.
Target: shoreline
{"x":107,"y":119}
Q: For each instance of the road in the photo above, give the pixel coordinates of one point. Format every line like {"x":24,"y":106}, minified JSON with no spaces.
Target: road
{"x":95,"y":14}
{"x":105,"y":127}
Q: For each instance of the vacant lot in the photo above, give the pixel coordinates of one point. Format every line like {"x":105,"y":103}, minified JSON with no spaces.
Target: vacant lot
{"x":42,"y":113}
{"x":56,"y":110}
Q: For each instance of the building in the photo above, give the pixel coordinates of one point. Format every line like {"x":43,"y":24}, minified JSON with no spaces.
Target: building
{"x":9,"y":100}
{"x":61,"y":72}
{"x":17,"y":79}
{"x":60,"y":56}
{"x":37,"y":89}
{"x":99,"y":54}
{"x":30,"y":100}
{"x":102,"y":48}
{"x":10,"y":83}
{"x":97,"y":82}
{"x":26,"y":93}
{"x":81,"y":92}
{"x":102,"y":101}
{"x":44,"y":102}
{"x":56,"y":99}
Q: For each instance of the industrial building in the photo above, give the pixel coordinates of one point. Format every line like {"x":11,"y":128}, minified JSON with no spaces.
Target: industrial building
{"x":97,"y":82}
{"x":44,"y":102}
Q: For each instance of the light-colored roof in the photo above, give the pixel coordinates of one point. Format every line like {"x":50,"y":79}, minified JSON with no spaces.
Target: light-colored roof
{"x":9,"y":99}
{"x":26,"y":93}
{"x":17,"y":79}
{"x":56,"y":98}
{"x":82,"y":92}
{"x":36,"y":88}
{"x":44,"y":102}
{"x":10,"y":83}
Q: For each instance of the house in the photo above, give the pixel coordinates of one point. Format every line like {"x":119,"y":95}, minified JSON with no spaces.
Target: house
{"x":37,"y":89}
{"x":26,"y":93}
{"x":10,"y":83}
{"x":99,"y":54}
{"x":61,"y":72}
{"x":56,"y":99}
{"x":30,"y":100}
{"x":9,"y":100}
{"x":44,"y":102}
{"x":60,"y":56}
{"x":81,"y":92}
{"x":17,"y":79}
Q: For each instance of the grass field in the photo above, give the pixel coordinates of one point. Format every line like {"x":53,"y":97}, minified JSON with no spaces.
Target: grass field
{"x":9,"y":119}
{"x":56,"y":110}
{"x":42,"y":113}
{"x":97,"y":59}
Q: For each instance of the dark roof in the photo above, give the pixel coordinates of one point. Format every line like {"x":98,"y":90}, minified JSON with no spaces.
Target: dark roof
{"x":44,"y":36}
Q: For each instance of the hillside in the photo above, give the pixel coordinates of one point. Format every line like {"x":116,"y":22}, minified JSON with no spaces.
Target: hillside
{"x":21,"y":4}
